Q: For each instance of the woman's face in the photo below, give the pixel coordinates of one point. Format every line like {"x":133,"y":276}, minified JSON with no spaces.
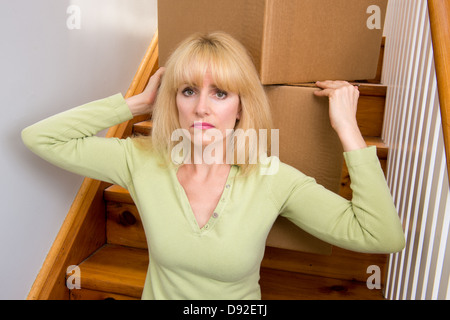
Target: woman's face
{"x":207,"y":107}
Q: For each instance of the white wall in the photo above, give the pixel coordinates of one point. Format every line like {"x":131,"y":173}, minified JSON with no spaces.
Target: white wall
{"x":47,"y":68}
{"x":417,"y":172}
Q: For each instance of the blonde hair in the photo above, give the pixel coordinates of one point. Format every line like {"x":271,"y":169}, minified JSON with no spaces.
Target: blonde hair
{"x":232,"y":70}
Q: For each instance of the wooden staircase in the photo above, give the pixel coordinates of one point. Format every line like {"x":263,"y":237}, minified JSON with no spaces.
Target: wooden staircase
{"x":103,"y":233}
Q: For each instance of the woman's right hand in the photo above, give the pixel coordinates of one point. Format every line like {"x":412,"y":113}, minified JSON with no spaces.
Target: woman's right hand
{"x":143,"y":102}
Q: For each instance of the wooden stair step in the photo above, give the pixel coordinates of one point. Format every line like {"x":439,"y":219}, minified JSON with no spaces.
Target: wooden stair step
{"x":115,"y":269}
{"x":117,"y":272}
{"x":124,"y":225}
{"x":283,"y":285}
{"x":340,"y":264}
{"x":371,"y":89}
{"x":382,"y":148}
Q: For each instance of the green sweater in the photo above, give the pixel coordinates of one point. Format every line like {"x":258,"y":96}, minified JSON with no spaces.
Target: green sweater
{"x":222,"y":259}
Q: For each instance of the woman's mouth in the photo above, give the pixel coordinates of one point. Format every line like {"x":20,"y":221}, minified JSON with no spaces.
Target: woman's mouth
{"x":202,"y":125}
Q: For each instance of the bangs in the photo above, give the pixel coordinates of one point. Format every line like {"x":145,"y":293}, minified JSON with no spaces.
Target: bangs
{"x":191,"y":67}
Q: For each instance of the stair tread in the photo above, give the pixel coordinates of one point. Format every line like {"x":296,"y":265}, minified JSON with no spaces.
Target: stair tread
{"x":285,"y":285}
{"x":115,"y":269}
{"x":382,"y":148}
{"x":122,"y":270}
{"x":371,"y":89}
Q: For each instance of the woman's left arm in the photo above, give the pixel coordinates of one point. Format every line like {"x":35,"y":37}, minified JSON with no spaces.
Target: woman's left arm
{"x":367,"y":223}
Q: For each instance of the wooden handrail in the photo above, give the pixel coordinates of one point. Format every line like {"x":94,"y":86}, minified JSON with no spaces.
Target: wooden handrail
{"x":83,"y":230}
{"x":439,"y":11}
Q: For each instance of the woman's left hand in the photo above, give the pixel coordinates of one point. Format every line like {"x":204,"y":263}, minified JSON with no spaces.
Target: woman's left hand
{"x":343,"y":101}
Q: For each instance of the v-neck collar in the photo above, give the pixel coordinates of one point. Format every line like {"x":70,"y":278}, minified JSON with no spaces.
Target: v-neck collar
{"x":218,"y":211}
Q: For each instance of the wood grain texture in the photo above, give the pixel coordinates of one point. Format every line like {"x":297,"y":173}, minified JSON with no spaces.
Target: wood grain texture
{"x":282,"y":285}
{"x":439,"y":11}
{"x":115,"y":269}
{"x":124,"y":225}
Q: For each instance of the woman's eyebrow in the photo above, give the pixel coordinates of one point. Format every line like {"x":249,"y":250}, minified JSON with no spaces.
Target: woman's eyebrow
{"x":186,"y":84}
{"x":216,"y":87}
{"x":194,"y":86}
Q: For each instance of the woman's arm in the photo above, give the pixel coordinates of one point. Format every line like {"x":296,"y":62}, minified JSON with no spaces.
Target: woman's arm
{"x":367,"y":223}
{"x":68,"y":139}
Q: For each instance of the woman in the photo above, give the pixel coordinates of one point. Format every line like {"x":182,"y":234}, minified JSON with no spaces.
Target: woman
{"x":206,"y":222}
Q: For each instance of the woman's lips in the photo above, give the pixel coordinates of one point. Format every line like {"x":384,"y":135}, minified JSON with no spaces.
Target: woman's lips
{"x":202,"y":125}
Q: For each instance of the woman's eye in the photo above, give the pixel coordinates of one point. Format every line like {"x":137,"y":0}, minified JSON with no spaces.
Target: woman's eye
{"x":221,"y":94}
{"x":188,"y":92}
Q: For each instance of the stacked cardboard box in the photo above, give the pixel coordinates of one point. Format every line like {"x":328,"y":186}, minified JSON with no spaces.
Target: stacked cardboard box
{"x":291,"y":42}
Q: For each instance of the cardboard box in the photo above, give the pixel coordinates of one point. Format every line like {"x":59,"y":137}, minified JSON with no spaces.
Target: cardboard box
{"x":308,"y":143}
{"x":291,"y":41}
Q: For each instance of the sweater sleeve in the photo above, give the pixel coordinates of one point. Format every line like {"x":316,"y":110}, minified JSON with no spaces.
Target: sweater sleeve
{"x":68,"y":140}
{"x":368,"y":223}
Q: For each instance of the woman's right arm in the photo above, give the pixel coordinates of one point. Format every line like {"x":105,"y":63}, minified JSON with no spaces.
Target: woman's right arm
{"x":68,"y":139}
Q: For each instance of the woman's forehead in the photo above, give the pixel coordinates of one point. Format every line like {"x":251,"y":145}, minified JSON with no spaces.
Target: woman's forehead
{"x":196,"y":72}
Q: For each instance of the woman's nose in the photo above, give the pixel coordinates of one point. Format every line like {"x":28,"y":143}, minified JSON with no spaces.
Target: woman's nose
{"x":202,"y":107}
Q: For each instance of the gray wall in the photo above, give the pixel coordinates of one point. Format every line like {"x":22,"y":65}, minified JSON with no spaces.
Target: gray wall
{"x":46,"y":68}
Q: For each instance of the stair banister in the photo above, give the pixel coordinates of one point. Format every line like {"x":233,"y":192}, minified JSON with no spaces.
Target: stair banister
{"x":439,"y":11}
